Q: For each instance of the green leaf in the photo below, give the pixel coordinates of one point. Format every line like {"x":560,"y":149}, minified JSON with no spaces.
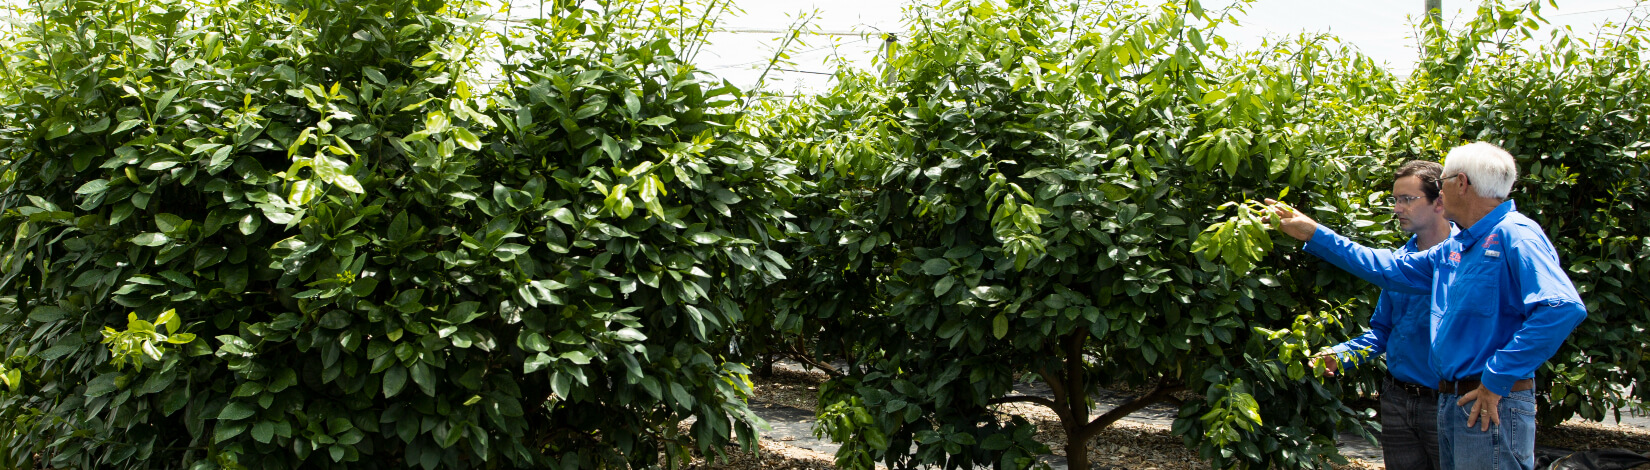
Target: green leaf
{"x":59,"y":129}
{"x":248,"y":389}
{"x":170,"y":319}
{"x":375,"y":75}
{"x":237,"y":410}
{"x":537,"y":362}
{"x":991,"y":293}
{"x":93,"y":187}
{"x":150,"y":239}
{"x":658,"y":121}
{"x":168,"y":223}
{"x":249,"y":223}
{"x":395,"y":378}
{"x":466,"y":139}
{"x":226,"y":430}
{"x":535,"y":342}
{"x":632,"y":103}
{"x":706,"y":238}
{"x":561,"y":214}
{"x":630,"y":335}
{"x":465,"y":312}
{"x":166,"y":100}
{"x":936,"y":266}
{"x":999,"y":326}
{"x":624,"y":207}
{"x":47,"y":314}
{"x":576,"y":357}
{"x":683,"y":398}
{"x":424,"y":377}
{"x":364,"y":286}
{"x":126,"y":125}
{"x":944,"y":285}
{"x":610,"y":146}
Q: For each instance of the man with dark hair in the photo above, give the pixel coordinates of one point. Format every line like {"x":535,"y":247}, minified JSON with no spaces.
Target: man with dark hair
{"x":1401,"y":328}
{"x":1502,"y":305}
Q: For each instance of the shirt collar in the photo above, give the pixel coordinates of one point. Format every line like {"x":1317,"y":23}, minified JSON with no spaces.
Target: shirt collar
{"x":1414,"y":245}
{"x":1484,"y":226}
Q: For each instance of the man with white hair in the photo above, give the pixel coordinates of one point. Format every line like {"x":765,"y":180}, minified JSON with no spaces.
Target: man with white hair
{"x":1501,"y":306}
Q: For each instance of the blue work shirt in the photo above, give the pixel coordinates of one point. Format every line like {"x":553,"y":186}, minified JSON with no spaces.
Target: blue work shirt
{"x":1401,"y":327}
{"x":1501,"y":303}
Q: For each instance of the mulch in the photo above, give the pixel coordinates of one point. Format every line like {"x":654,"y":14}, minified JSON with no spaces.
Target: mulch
{"x":1124,"y":445}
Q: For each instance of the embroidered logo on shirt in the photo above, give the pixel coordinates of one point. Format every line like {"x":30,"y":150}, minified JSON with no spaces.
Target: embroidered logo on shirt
{"x":1455,"y":256}
{"x":1492,"y":240}
{"x":1492,"y":253}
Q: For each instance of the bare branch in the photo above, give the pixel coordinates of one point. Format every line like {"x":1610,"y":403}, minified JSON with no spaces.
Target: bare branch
{"x":1025,"y":399}
{"x":1162,"y":392}
{"x":808,"y":360}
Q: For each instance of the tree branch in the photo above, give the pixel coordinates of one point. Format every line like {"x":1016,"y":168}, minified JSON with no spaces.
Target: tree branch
{"x":1025,"y":399}
{"x":1162,"y":392}
{"x":1057,"y":386}
{"x":1077,"y":390}
{"x":804,"y":358}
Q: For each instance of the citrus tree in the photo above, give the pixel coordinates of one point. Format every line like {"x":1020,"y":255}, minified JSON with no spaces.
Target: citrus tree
{"x":1027,"y":199}
{"x":306,"y":234}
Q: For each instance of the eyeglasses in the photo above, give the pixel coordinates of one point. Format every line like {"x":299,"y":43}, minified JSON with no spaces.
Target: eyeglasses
{"x":1396,"y":200}
{"x":1440,"y":181}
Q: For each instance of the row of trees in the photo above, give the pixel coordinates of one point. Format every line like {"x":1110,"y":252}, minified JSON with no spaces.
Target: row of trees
{"x":338,"y":234}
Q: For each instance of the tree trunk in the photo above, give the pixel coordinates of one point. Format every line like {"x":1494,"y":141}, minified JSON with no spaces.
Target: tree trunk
{"x":1077,"y":400}
{"x":1077,"y":454}
{"x":1070,"y":401}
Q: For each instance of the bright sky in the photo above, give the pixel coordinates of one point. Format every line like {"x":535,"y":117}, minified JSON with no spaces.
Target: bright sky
{"x":850,"y":30}
{"x":1381,"y":29}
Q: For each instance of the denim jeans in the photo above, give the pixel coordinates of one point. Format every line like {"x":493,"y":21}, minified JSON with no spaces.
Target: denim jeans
{"x":1510,"y":445}
{"x":1409,"y":428}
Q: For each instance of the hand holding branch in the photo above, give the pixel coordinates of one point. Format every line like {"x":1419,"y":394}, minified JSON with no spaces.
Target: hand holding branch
{"x":1291,"y":222}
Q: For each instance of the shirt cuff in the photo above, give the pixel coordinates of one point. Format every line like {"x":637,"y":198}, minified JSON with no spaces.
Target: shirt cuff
{"x":1348,"y":355}
{"x":1498,"y":384}
{"x":1321,"y":238}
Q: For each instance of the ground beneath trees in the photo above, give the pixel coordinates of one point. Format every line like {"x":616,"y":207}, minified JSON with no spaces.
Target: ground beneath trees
{"x":1140,"y":442}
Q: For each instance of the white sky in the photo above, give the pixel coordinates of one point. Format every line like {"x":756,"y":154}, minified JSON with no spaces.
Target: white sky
{"x":1381,"y":29}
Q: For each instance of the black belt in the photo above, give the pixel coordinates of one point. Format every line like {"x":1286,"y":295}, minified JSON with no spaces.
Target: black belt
{"x":1415,"y":390}
{"x":1461,"y":387}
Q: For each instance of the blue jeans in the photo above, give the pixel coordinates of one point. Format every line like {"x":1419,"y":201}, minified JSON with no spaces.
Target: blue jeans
{"x":1409,"y":427}
{"x":1510,"y":445}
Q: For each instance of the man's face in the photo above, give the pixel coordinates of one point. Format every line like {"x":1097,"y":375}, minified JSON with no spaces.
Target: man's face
{"x":1413,"y":211}
{"x":1457,"y":205}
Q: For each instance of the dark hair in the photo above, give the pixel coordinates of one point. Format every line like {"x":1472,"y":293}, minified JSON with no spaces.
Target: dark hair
{"x":1427,"y":172}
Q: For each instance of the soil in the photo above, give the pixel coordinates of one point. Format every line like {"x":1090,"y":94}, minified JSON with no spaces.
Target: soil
{"x":1126,"y":445}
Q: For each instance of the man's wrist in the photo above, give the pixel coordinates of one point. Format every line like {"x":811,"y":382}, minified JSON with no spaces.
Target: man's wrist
{"x":1500,"y":385}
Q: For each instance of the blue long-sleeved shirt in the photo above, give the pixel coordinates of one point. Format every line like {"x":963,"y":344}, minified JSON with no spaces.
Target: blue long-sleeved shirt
{"x":1501,"y":303}
{"x":1401,"y":328}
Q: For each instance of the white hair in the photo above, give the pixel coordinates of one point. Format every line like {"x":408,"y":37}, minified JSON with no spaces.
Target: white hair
{"x":1491,"y":170}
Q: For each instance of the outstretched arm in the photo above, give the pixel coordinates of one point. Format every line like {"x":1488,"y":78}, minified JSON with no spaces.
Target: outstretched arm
{"x":1408,"y":273}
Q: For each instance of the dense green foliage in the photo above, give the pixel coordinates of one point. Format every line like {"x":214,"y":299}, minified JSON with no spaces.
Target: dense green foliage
{"x":1024,"y":195}
{"x":311,"y":241}
{"x":295,"y":233}
{"x":1025,"y":199}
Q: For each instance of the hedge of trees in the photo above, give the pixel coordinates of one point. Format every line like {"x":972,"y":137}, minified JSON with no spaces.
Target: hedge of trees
{"x":285,"y":233}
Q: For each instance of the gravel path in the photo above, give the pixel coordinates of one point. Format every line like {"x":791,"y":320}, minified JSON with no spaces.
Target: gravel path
{"x":1140,"y":441}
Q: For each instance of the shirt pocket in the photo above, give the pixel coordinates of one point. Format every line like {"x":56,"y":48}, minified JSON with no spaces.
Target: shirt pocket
{"x":1477,"y":293}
